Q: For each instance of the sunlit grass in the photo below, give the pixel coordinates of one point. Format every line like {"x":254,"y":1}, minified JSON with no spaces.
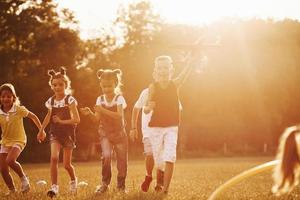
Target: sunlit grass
{"x":193,"y":179}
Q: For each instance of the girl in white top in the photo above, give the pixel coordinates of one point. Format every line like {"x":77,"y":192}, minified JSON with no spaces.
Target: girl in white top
{"x":63,"y":117}
{"x":109,"y":113}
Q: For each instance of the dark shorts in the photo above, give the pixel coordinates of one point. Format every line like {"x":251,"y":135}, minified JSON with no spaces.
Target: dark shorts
{"x":66,"y":142}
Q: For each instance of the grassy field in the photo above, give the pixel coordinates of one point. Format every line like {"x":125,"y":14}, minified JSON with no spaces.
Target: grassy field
{"x":193,"y":179}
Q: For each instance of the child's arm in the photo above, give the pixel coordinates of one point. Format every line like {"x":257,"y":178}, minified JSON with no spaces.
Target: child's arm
{"x":95,"y":117}
{"x":133,"y":134}
{"x":116,"y":115}
{"x":41,"y":135}
{"x":150,"y":103}
{"x":75,"y":119}
{"x":181,"y":78}
{"x":35,"y":120}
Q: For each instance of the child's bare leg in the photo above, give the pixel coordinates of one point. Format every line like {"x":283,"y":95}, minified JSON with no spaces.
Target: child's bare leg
{"x":168,"y":175}
{"x":5,"y":172}
{"x":149,"y":164}
{"x":55,"y":149}
{"x":12,"y":162}
{"x":67,"y":163}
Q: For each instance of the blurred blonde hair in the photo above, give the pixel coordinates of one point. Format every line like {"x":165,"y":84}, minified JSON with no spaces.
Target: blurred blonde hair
{"x":286,"y":173}
{"x":163,"y":57}
{"x":9,"y":87}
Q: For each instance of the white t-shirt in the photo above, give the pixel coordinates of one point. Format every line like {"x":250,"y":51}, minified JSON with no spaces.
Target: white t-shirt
{"x":119,"y":101}
{"x":140,"y":104}
{"x":60,"y":103}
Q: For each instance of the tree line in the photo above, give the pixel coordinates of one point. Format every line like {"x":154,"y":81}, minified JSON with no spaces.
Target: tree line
{"x":246,"y":95}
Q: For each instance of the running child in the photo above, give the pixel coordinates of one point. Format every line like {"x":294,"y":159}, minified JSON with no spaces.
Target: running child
{"x":62,"y":117}
{"x":109,"y":113}
{"x":14,"y":137}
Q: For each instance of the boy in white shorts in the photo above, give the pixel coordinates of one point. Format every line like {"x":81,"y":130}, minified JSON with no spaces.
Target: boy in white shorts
{"x":163,"y":102}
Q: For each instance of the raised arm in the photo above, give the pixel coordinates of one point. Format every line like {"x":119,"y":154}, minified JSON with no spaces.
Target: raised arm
{"x":181,"y":78}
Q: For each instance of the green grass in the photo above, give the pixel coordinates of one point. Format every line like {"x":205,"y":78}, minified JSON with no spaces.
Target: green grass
{"x":193,"y":179}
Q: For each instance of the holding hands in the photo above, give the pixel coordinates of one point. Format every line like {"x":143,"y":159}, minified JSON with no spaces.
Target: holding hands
{"x":41,"y":136}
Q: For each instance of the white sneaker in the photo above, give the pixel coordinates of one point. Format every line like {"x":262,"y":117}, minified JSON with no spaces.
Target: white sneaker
{"x":53,"y":191}
{"x":101,"y":189}
{"x":73,"y":186}
{"x":25,"y":187}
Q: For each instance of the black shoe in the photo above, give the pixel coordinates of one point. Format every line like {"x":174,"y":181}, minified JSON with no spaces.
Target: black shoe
{"x":51,"y":194}
{"x":53,"y":191}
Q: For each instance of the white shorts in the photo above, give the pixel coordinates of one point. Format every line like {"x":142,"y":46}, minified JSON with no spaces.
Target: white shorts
{"x":164,"y":143}
{"x":147,"y":146}
{"x":6,"y":149}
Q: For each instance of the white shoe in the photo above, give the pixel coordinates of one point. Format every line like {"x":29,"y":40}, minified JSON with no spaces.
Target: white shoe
{"x":53,"y":191}
{"x":25,"y":187}
{"x":101,"y":189}
{"x":73,"y":186}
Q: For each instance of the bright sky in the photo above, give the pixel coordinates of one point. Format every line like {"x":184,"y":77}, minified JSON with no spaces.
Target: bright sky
{"x":94,"y":14}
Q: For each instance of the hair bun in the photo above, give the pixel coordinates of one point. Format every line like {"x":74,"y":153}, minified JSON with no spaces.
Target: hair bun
{"x":100,"y":72}
{"x":51,"y":72}
{"x":117,"y":71}
{"x":63,"y":70}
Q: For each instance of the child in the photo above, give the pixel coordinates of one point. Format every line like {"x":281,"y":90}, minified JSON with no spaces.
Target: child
{"x":110,"y":115}
{"x":164,"y":104}
{"x":140,"y":103}
{"x":286,"y":173}
{"x":63,"y":117}
{"x":13,"y":136}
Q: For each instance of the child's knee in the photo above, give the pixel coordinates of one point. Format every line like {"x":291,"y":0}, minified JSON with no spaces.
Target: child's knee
{"x":54,"y":159}
{"x":10,"y":162}
{"x":106,"y":159}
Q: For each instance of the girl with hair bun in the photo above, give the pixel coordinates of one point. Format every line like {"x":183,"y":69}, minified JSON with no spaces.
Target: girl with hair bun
{"x":109,"y":113}
{"x":63,"y":117}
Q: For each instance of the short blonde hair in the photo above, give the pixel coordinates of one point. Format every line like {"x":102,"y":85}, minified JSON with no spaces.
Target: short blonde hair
{"x":163,"y":57}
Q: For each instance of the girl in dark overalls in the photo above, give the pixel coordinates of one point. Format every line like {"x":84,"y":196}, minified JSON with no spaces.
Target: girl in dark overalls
{"x":63,"y":117}
{"x":109,"y":112}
